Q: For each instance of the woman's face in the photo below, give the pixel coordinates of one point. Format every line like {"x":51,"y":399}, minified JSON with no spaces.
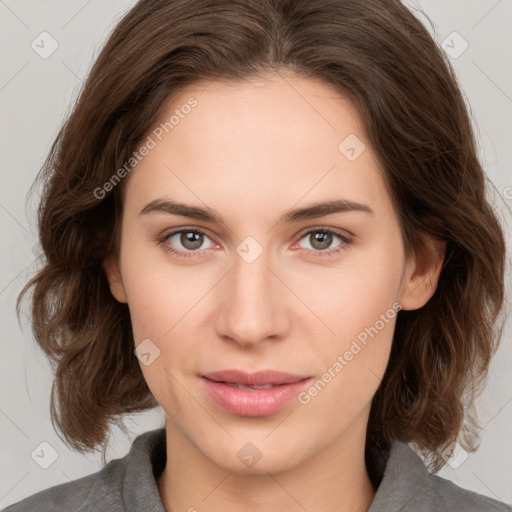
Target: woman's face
{"x":264,"y":289}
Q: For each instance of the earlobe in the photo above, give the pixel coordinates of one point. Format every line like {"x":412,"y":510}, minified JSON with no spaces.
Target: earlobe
{"x":422,"y":273}
{"x":112,"y":270}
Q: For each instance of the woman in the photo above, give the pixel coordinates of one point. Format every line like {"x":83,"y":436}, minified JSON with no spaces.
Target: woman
{"x":268,"y":217}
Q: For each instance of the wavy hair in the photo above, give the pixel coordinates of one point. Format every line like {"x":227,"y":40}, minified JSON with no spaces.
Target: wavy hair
{"x":379,"y":56}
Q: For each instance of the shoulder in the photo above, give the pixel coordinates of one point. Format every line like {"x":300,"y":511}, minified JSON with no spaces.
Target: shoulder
{"x":127,"y":481}
{"x":68,"y":496}
{"x":79,"y":495}
{"x":449,"y":496}
{"x":407,"y":485}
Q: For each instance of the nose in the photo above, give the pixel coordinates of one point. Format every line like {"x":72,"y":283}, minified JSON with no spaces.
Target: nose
{"x":254,"y":305}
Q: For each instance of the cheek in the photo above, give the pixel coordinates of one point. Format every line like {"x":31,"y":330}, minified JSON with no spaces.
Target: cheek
{"x":359,"y":304}
{"x":159,"y":292}
{"x":164,"y":302}
{"x":353,"y":295}
{"x":158,"y":304}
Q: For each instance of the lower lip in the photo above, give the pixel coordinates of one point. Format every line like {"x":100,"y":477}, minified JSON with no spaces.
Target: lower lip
{"x":253,"y":402}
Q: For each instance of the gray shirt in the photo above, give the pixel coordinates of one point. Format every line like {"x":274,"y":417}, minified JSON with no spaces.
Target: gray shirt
{"x":129,"y":484}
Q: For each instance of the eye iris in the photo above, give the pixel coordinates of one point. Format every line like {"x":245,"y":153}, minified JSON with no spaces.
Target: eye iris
{"x":191,"y":237}
{"x":325,"y":240}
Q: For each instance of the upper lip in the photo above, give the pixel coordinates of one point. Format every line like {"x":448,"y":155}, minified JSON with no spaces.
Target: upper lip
{"x":260,"y":378}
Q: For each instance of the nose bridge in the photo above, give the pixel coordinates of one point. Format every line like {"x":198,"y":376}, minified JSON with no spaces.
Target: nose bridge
{"x":254,"y":308}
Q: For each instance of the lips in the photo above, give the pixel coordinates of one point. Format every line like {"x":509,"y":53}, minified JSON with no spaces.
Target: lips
{"x":253,"y":394}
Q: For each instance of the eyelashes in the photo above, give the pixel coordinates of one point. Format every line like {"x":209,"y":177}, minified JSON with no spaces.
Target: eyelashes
{"x":195,"y":252}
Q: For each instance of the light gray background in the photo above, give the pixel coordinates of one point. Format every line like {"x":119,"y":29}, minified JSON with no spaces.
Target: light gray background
{"x":36,"y":94}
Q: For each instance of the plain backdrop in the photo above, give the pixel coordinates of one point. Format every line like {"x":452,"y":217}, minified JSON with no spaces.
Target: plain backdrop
{"x":36,"y":93}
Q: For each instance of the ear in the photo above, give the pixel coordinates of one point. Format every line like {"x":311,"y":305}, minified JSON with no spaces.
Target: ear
{"x":421,"y":275}
{"x":113,"y":272}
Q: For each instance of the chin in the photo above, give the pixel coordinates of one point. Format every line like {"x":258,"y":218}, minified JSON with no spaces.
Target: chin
{"x":254,"y":459}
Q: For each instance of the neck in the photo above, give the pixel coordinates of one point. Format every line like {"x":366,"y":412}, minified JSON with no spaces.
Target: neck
{"x":335,"y":479}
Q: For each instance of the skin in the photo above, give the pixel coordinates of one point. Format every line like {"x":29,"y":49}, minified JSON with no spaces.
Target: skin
{"x":251,"y":151}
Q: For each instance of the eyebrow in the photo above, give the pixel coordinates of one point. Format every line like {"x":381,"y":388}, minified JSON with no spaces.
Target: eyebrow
{"x":208,"y":214}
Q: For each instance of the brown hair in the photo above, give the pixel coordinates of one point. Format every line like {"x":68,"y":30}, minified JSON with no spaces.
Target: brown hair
{"x":377,"y":54}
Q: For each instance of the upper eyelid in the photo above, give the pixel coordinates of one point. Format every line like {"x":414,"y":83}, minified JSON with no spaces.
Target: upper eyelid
{"x":337,"y":231}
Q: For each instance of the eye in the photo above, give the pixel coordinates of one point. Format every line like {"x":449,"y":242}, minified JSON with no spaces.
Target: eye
{"x":188,"y":241}
{"x":320,"y":239}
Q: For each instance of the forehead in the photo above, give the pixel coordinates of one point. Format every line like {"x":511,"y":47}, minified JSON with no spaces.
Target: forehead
{"x":279,"y":139}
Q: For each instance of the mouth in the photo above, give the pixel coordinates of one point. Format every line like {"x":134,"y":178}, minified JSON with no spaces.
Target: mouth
{"x":253,"y":394}
{"x":243,"y":386}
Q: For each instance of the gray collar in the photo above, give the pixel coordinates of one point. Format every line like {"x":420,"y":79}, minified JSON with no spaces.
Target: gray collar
{"x":405,"y":479}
